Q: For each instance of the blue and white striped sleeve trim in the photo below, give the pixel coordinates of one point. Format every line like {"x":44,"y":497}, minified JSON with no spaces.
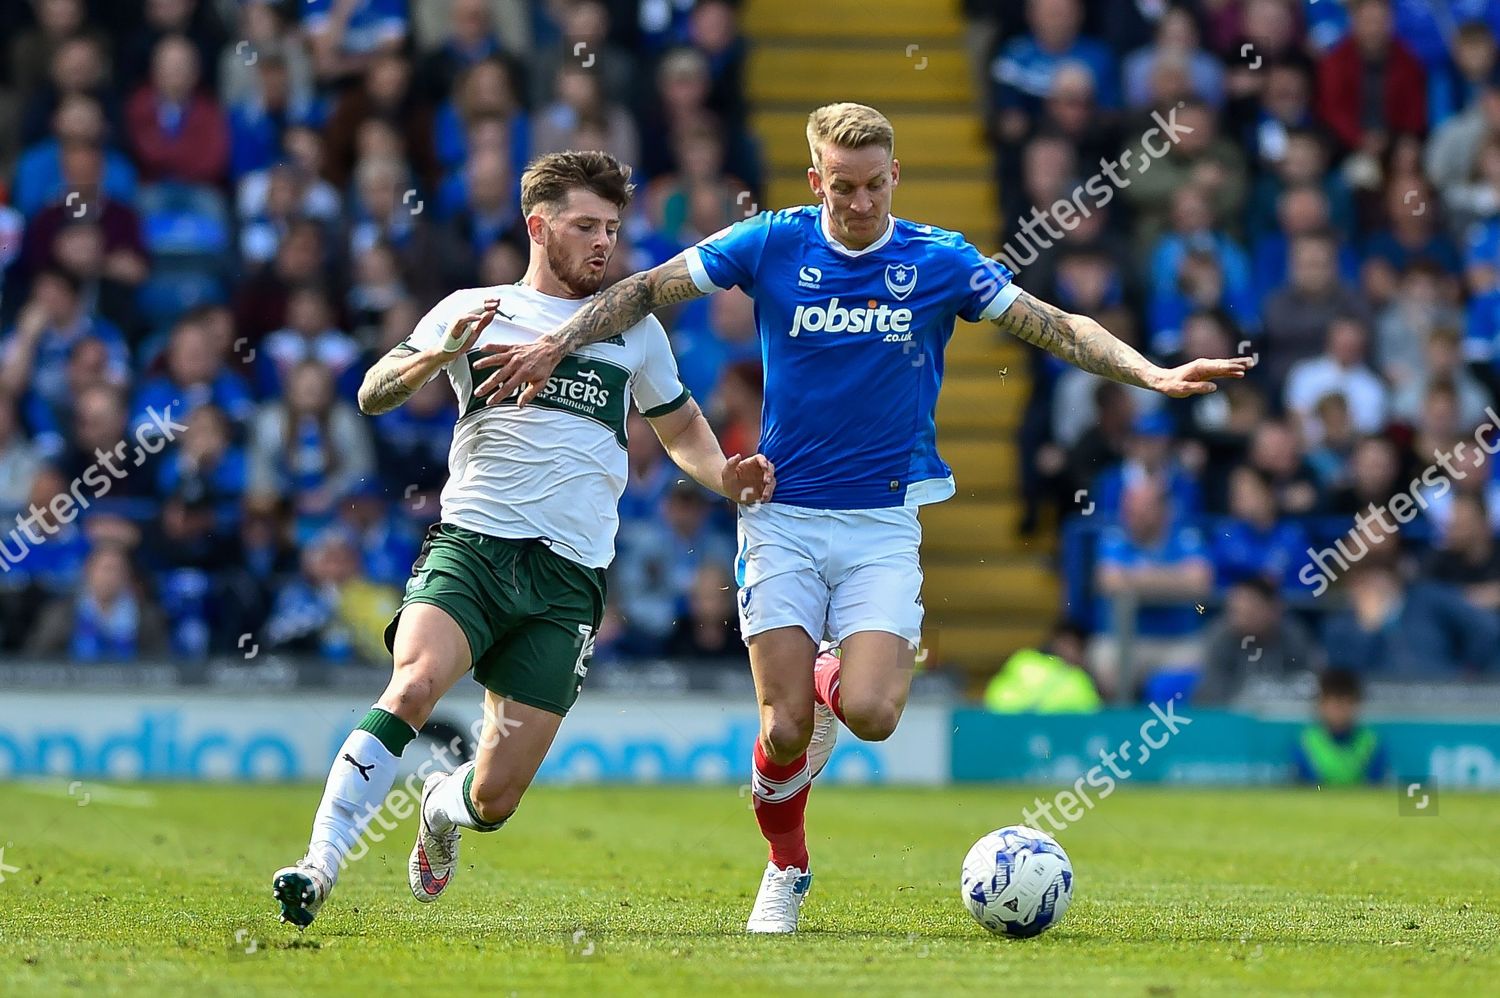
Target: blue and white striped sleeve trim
{"x":698,"y":272}
{"x":1000,"y":302}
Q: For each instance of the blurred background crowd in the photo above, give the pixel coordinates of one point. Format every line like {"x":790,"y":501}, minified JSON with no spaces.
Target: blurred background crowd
{"x":231,"y":208}
{"x":214,"y":215}
{"x":1335,"y":210}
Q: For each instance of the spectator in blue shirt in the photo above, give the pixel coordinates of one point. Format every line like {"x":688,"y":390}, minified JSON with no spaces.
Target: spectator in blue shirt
{"x":258,"y":121}
{"x":194,"y":376}
{"x":309,"y":335}
{"x":1196,"y":267}
{"x":1252,"y":543}
{"x":1022,"y":72}
{"x":1301,"y":209}
{"x":34,"y":354}
{"x":1452,"y":86}
{"x":346,"y":34}
{"x":38,"y":179}
{"x":1411,"y":235}
{"x":1424,"y":631}
{"x":727,"y":336}
{"x":1176,"y":39}
{"x":1161,"y":564}
{"x":1149,"y":457}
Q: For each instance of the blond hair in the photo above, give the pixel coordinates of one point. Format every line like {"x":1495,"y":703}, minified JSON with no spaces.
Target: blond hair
{"x":848,"y":126}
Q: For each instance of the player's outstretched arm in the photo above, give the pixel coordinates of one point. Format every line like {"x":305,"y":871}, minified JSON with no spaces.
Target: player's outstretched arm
{"x":692,"y":446}
{"x":613,"y":310}
{"x":398,"y":375}
{"x":1084,"y":343}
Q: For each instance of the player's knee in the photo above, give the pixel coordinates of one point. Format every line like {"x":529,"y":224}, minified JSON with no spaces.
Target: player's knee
{"x":412,"y":692}
{"x":786,"y":736}
{"x":872,"y":721}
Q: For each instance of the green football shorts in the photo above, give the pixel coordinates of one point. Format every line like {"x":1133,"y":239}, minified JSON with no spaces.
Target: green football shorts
{"x":530,"y":615}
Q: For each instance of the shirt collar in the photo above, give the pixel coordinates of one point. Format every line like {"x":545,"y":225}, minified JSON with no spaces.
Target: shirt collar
{"x":838,"y":247}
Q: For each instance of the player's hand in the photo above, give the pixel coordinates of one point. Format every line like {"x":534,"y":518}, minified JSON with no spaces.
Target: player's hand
{"x":748,"y":480}
{"x":529,"y":364}
{"x":1197,"y":377}
{"x":467,"y":329}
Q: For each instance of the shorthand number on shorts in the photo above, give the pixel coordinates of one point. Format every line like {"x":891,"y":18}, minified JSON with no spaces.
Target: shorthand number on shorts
{"x":830,"y":572}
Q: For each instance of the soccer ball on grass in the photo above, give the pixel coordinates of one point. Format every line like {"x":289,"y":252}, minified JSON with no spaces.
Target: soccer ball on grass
{"x":1017,"y":881}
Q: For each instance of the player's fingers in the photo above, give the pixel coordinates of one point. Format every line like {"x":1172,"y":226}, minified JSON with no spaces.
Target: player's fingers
{"x":480,"y":326}
{"x":532,"y":391}
{"x":495,"y":354}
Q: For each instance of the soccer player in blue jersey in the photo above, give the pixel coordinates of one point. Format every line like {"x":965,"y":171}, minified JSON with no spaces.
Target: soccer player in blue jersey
{"x":854,"y":308}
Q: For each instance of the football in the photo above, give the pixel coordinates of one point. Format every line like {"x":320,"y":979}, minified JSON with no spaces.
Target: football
{"x":1017,"y":881}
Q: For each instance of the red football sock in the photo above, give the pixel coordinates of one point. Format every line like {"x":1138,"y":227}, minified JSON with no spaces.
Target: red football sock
{"x":826,"y":683}
{"x":780,"y":793}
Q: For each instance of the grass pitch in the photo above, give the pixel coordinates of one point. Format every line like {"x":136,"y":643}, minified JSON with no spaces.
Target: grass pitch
{"x":154,"y":890}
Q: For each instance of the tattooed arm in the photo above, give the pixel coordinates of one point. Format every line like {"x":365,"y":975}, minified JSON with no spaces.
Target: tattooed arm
{"x":612,"y":311}
{"x":1084,"y":343}
{"x":398,"y":375}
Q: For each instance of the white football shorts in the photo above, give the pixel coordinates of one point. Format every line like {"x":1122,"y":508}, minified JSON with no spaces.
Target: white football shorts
{"x":831,"y":572}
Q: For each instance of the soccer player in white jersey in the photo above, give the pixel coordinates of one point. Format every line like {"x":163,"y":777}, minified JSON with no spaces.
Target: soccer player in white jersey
{"x":854,"y":308}
{"x":510,"y":582}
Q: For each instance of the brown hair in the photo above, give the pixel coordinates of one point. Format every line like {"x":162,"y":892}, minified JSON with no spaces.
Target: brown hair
{"x":848,"y":126}
{"x":550,"y":178}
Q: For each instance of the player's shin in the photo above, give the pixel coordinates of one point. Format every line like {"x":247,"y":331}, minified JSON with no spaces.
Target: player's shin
{"x":452,"y":803}
{"x":362,"y":774}
{"x":780,"y":798}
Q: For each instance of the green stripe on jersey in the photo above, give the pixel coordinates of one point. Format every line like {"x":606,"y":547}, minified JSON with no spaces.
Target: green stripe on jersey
{"x":583,"y":386}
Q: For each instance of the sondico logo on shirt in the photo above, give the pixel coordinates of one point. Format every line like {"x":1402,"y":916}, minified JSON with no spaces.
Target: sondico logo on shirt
{"x":833,"y":317}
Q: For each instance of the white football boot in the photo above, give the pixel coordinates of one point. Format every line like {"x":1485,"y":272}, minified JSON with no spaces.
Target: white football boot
{"x":301,"y":888}
{"x":779,"y":903}
{"x":825,"y":723}
{"x":435,"y":856}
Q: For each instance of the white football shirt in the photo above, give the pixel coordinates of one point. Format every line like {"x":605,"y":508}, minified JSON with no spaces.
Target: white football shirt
{"x":557,"y":468}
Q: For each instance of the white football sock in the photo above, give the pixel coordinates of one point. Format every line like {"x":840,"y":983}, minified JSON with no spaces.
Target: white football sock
{"x":449,"y":804}
{"x":358,"y":782}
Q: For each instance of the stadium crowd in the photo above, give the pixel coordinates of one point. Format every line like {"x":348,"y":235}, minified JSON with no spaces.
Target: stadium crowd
{"x":216,"y":214}
{"x":1331,"y":203}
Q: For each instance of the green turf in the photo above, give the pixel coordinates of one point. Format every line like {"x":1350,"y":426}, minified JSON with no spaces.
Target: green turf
{"x":163,"y":889}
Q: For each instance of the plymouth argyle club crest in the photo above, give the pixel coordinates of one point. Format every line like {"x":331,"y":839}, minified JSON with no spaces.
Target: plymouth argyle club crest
{"x":900,"y":279}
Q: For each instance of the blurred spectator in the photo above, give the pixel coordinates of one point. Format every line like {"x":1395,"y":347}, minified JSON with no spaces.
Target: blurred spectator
{"x":309,"y":447}
{"x":1254,"y":543}
{"x":19,"y":460}
{"x":728,"y":336}
{"x":1022,"y":71}
{"x":329,"y":610}
{"x":709,"y":633}
{"x":1412,"y":236}
{"x":1373,"y":474}
{"x":671,"y":200}
{"x":1254,"y":639}
{"x":1276,"y":452}
{"x":659,"y":559}
{"x":1150,"y":457}
{"x":1466,"y":556}
{"x":194,"y":376}
{"x":1200,"y":159}
{"x":468,"y":39}
{"x":1465,"y":470}
{"x":483,"y":111}
{"x":1270,"y":120}
{"x":109,"y":283}
{"x":32,"y":50}
{"x":78,"y":68}
{"x":386,"y":96}
{"x":1176,"y":41}
{"x":348,"y":35}
{"x":1403,"y":325}
{"x":1302,"y":160}
{"x":1161,"y":567}
{"x":85,"y":197}
{"x":109,"y":620}
{"x":274,"y":101}
{"x":1341,"y":369}
{"x":386,"y":544}
{"x":583,"y":103}
{"x":309,"y":336}
{"x":39,"y":175}
{"x":1049,"y":680}
{"x":1441,"y":364}
{"x":1452,"y":154}
{"x":1195,"y":267}
{"x":1301,"y":209}
{"x":584,"y":45}
{"x":195,"y":20}
{"x":1297,"y":316}
{"x":34,"y":354}
{"x":1336,"y":750}
{"x":1370,"y":84}
{"x":178,"y":133}
{"x":261,"y":301}
{"x":262,"y":33}
{"x":205,"y":469}
{"x":1396,"y":630}
{"x":1331,"y":454}
{"x":737,"y":405}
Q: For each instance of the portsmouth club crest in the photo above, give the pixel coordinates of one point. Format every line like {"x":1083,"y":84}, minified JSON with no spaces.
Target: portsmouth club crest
{"x":900,"y":279}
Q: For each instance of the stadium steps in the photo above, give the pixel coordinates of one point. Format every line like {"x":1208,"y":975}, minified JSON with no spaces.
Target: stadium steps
{"x":987,"y":591}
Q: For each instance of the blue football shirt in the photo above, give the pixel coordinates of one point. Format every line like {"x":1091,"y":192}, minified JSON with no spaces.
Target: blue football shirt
{"x":852,"y":344}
